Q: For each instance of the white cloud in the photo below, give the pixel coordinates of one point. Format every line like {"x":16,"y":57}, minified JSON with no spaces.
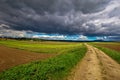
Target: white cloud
{"x":102,"y":38}
{"x":1,"y":35}
{"x":82,"y":37}
{"x":4,"y":26}
{"x":7,"y":32}
{"x":12,"y":33}
{"x":50,"y":37}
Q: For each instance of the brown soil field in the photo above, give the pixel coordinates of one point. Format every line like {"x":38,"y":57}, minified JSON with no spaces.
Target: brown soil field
{"x":10,"y":57}
{"x":111,"y":46}
{"x":96,"y":65}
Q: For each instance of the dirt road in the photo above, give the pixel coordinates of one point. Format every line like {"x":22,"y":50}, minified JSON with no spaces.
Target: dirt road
{"x":11,"y":57}
{"x":96,"y":65}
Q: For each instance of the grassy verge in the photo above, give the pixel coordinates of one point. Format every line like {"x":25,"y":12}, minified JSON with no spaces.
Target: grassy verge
{"x":51,"y":69}
{"x":112,"y":53}
{"x":39,"y":47}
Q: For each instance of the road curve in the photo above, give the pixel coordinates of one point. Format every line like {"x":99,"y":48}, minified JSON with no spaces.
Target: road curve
{"x":96,"y":65}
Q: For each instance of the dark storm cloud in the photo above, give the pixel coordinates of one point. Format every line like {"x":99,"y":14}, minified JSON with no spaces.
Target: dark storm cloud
{"x":86,"y":17}
{"x":114,"y":38}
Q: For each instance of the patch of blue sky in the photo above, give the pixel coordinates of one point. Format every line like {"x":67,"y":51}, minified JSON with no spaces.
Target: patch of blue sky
{"x":75,"y":37}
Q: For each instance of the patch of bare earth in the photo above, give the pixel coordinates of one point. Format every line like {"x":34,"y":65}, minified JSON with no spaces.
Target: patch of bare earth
{"x":96,"y":65}
{"x":10,"y":57}
{"x":111,"y":46}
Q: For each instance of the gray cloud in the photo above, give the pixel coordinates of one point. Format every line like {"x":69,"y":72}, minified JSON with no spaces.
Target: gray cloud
{"x":85,"y":17}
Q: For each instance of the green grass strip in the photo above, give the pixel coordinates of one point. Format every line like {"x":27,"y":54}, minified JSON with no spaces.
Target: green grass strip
{"x":56,"y":68}
{"x":112,"y":53}
{"x":39,"y":47}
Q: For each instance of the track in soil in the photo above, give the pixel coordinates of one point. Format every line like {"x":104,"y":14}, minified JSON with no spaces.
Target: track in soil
{"x":10,"y":57}
{"x":96,"y":65}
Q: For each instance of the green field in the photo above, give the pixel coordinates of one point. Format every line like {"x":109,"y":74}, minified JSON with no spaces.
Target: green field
{"x":39,"y":46}
{"x":55,"y":68}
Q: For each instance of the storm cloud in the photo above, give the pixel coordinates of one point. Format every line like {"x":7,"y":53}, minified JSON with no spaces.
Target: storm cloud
{"x":85,"y":17}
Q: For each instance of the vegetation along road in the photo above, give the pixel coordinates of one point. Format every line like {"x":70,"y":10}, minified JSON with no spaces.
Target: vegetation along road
{"x":96,"y":65}
{"x":59,"y":61}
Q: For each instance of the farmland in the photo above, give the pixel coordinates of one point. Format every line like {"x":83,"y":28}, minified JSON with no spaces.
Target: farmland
{"x":111,"y":45}
{"x":50,"y":60}
{"x":10,"y":57}
{"x":55,"y":68}
{"x":38,"y":46}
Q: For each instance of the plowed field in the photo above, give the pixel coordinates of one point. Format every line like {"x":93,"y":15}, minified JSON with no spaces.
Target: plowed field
{"x":10,"y":57}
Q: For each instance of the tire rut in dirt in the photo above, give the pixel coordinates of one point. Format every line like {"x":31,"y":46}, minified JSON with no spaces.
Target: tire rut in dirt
{"x":89,"y":68}
{"x":96,"y":65}
{"x":111,"y":69}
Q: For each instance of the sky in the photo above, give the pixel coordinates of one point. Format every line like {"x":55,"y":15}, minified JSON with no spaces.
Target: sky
{"x":61,"y":19}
